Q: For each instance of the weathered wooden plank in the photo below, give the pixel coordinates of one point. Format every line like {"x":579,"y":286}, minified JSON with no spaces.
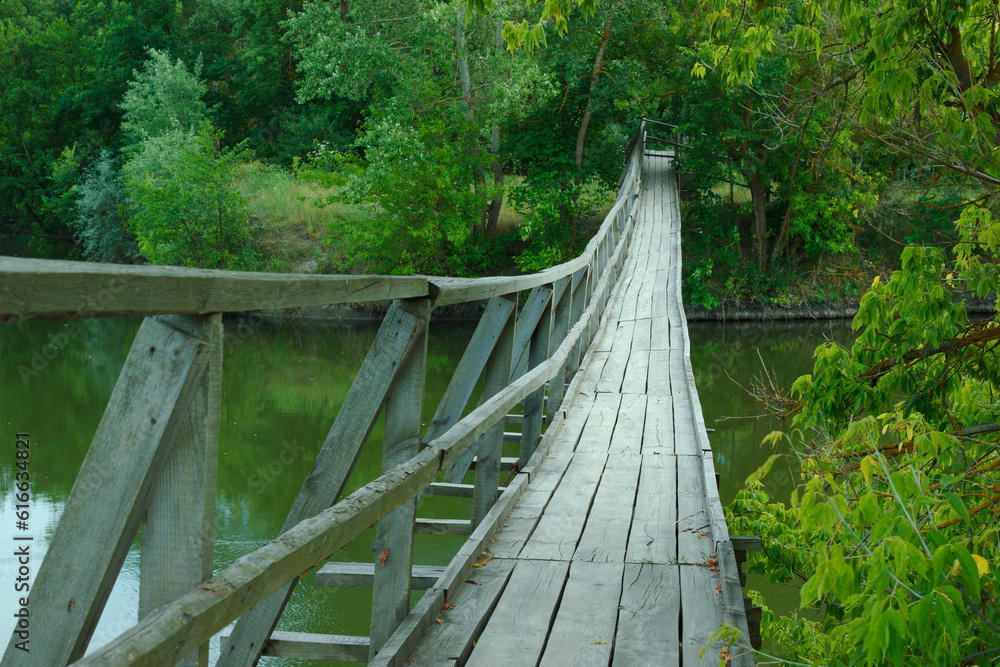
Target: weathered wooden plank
{"x":531,"y":430}
{"x":534,"y":310}
{"x":733,"y":607}
{"x":648,"y":618}
{"x":174,"y":630}
{"x":591,"y":374}
{"x":484,"y":494}
{"x":701,"y":615}
{"x":560,"y":327}
{"x":178,"y":532}
{"x":686,"y":441}
{"x":658,"y":377}
{"x":450,"y":642}
{"x":560,"y":528}
{"x":606,"y":533}
{"x":393,"y":545}
{"x":524,"y":516}
{"x":641,"y":334}
{"x":636,"y":370}
{"x":463,"y":382}
{"x":614,"y":370}
{"x":399,"y":332}
{"x":454,"y":490}
{"x":653,"y":538}
{"x":396,"y":651}
{"x":658,"y":434}
{"x":600,"y":424}
{"x":659,"y":337}
{"x":362,"y":575}
{"x":694,"y":535}
{"x":581,"y":280}
{"x":310,"y":646}
{"x":629,"y":426}
{"x":584,"y":629}
{"x":506,"y":462}
{"x":160,"y":378}
{"x":519,"y":626}
{"x":658,"y":307}
{"x":56,"y":289}
{"x":443,"y":526}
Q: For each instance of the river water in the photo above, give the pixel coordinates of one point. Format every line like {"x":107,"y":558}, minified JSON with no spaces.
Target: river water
{"x":282,"y":387}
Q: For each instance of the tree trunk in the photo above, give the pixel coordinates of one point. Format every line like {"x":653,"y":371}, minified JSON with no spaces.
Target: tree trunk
{"x":594,"y":76}
{"x":759,"y":195}
{"x":493,"y":212}
{"x":478,"y":177}
{"x":581,"y":136}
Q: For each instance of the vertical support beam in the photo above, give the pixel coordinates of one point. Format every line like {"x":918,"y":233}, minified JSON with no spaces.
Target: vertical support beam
{"x":104,"y":509}
{"x":178,"y":533}
{"x":334,"y":463}
{"x":499,"y":312}
{"x":531,"y":425}
{"x":577,"y":308}
{"x":535,"y":309}
{"x":484,"y":494}
{"x":561,"y":299}
{"x":393,"y":544}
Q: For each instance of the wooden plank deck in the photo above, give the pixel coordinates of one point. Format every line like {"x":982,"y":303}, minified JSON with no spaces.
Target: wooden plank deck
{"x":610,"y":556}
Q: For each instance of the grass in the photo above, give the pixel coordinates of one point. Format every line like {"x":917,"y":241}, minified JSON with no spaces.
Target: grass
{"x":301,"y":231}
{"x":294,"y":215}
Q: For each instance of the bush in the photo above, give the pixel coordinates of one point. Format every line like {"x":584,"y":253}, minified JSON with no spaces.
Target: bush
{"x":100,"y":226}
{"x":182,"y":205}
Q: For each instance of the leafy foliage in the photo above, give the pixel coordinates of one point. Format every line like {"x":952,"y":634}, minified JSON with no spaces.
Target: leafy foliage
{"x":182,"y":206}
{"x":899,"y":489}
{"x":163,"y":98}
{"x":101,"y":227}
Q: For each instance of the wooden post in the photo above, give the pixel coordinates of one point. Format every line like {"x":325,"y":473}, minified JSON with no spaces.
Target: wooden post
{"x":470,"y":367}
{"x":396,"y":337}
{"x":578,"y":306}
{"x":161,"y":375}
{"x":393,"y":544}
{"x":527,"y":320}
{"x":484,"y":340}
{"x":178,"y":532}
{"x":531,"y":424}
{"x":561,"y":299}
{"x":484,"y":495}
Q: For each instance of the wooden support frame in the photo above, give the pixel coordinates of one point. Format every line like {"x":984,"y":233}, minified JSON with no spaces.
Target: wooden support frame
{"x":531,"y":425}
{"x":161,"y":376}
{"x":564,"y":326}
{"x":393,"y":545}
{"x":397,"y":336}
{"x":178,"y":532}
{"x":498,"y":376}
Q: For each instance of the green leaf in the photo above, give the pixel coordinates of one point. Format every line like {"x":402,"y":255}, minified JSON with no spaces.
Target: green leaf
{"x":958,"y":505}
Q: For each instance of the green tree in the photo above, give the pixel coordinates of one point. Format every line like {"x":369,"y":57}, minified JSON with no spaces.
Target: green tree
{"x":163,"y":98}
{"x":182,"y":206}
{"x":101,"y":227}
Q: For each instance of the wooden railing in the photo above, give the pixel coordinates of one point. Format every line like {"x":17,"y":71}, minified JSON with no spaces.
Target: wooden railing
{"x":152,"y":460}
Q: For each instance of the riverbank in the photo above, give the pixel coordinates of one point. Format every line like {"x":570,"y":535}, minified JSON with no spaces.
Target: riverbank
{"x":739,"y":311}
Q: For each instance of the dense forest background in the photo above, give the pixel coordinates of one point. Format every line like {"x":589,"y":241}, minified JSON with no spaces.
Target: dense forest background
{"x":407,"y":137}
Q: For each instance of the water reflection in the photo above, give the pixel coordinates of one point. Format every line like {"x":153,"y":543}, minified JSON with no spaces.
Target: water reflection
{"x":725,"y":359}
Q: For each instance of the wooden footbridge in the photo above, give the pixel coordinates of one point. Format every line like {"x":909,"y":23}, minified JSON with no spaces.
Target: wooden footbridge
{"x":606,"y":546}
